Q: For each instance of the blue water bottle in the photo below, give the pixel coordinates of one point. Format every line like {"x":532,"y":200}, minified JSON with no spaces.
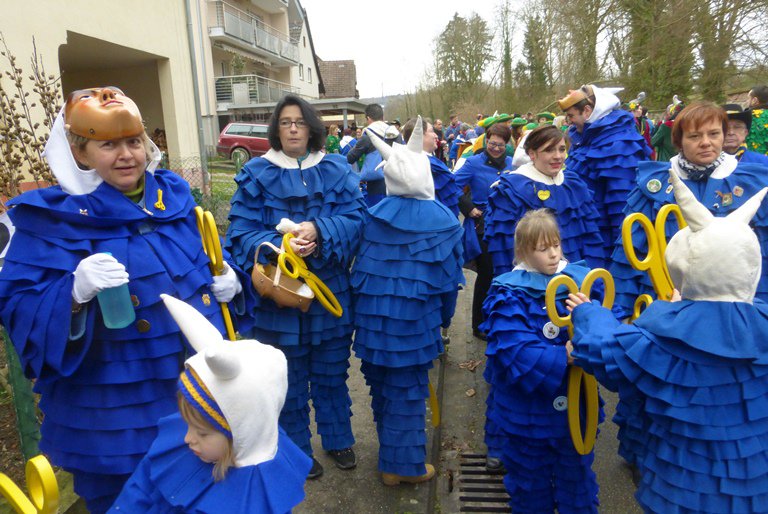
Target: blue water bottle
{"x":116,"y":306}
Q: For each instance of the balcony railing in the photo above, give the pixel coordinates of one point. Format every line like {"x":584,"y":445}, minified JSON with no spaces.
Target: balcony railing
{"x":249,"y":29}
{"x":244,"y":90}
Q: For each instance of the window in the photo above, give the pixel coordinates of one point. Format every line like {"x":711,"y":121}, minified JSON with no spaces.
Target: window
{"x":239,"y":130}
{"x":305,"y":41}
{"x":259,"y":131}
{"x":301,"y":71}
{"x":309,"y":75}
{"x":224,"y":70}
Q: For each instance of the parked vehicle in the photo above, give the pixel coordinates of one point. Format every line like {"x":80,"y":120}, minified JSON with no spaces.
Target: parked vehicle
{"x":242,"y":141}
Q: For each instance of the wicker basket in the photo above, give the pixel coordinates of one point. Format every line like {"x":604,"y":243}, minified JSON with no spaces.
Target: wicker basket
{"x":270,"y":282}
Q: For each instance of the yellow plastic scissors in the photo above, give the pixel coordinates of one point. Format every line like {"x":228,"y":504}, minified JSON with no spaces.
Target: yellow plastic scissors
{"x":294,"y":266}
{"x":42,"y":485}
{"x":655,"y":234}
{"x":206,"y":225}
{"x":577,"y":378}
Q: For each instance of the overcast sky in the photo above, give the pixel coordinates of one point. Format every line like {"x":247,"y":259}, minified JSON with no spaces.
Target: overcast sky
{"x":391,"y":41}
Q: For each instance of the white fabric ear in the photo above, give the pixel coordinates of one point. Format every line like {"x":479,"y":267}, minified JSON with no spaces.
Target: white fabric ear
{"x":200,"y":333}
{"x":223,"y":364}
{"x":605,"y":101}
{"x":696,"y":215}
{"x":406,"y":171}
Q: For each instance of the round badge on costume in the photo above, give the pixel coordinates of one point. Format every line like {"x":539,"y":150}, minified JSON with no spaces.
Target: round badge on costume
{"x":543,"y":194}
{"x":560,"y":403}
{"x":550,"y":330}
{"x":654,"y":185}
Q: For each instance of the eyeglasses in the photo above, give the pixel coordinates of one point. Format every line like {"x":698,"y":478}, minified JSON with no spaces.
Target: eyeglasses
{"x":496,"y":145}
{"x":286,"y":123}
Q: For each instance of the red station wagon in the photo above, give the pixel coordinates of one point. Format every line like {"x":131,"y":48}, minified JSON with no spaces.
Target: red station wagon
{"x":243,"y":140}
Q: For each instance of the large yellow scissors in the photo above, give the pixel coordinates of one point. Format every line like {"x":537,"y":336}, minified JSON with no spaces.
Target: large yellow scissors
{"x":206,"y":224}
{"x":656,"y":236}
{"x":294,"y":266}
{"x":577,"y":378}
{"x":42,"y":485}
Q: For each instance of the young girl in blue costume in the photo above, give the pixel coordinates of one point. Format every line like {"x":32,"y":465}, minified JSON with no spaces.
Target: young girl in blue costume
{"x":717,"y":180}
{"x":528,"y":359}
{"x":295,"y":180}
{"x":103,"y":390}
{"x":223,"y":453}
{"x":405,"y":281}
{"x":699,"y":367}
{"x":542,"y":183}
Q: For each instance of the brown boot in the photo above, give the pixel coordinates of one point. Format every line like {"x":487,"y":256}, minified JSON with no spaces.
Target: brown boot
{"x":392,"y":479}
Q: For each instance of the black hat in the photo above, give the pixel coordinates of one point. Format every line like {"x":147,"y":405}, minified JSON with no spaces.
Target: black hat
{"x":737,"y":112}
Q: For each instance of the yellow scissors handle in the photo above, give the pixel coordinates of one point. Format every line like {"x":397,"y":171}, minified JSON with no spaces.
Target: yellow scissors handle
{"x":206,"y":225}
{"x":294,"y":266}
{"x":550,"y":299}
{"x":42,"y":485}
{"x":654,"y":261}
{"x":642,"y":303}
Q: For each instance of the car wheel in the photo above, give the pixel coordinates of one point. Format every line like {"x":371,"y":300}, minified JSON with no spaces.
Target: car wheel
{"x":240,"y":154}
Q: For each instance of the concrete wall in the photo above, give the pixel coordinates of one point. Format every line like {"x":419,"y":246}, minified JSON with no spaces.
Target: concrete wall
{"x":148,"y":38}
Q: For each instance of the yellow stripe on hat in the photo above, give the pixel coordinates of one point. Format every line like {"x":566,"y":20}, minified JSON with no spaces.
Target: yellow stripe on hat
{"x":201,"y":401}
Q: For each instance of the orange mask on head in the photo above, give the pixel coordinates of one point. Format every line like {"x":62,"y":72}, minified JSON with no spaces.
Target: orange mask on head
{"x":102,"y":114}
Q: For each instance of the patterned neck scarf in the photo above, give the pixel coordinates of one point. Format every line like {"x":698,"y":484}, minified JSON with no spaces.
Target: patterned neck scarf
{"x":696,"y":172}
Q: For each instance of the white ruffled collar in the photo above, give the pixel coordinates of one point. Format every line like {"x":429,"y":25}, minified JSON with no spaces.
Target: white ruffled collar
{"x":723,"y":171}
{"x":280,"y":159}
{"x":530,"y":171}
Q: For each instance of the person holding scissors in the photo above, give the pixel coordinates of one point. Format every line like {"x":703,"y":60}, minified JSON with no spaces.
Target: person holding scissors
{"x":699,"y":366}
{"x":716,"y":179}
{"x":113,"y":220}
{"x":320,"y":194}
{"x":527,"y":369}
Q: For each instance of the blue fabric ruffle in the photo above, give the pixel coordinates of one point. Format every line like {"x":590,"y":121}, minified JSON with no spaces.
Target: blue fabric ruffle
{"x":703,"y":396}
{"x":605,"y":155}
{"x":326,"y":194}
{"x":751,"y":178}
{"x":405,"y":280}
{"x":571,"y":203}
{"x":446,"y":190}
{"x":173,"y":479}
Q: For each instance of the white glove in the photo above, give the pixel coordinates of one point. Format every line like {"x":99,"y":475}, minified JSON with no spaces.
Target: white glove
{"x":226,"y":286}
{"x":96,"y":273}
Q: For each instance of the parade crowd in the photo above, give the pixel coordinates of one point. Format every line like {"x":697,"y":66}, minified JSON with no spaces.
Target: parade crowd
{"x":357,"y":240}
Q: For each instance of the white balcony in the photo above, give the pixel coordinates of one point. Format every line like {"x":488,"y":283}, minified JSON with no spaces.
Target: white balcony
{"x":244,"y":91}
{"x":238,"y":28}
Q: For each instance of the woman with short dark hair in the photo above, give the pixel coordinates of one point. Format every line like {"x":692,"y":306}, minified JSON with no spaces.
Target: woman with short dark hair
{"x":320,"y":195}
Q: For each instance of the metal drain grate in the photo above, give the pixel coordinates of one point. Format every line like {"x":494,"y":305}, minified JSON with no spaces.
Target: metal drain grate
{"x":481,"y":490}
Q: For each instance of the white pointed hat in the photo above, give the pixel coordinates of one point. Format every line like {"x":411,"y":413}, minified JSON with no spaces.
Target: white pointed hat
{"x":244,"y":382}
{"x":714,"y":259}
{"x":406,"y":171}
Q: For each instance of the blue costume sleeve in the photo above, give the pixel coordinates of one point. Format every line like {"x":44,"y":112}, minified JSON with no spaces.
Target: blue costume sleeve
{"x":592,"y":348}
{"x":530,"y":361}
{"x":446,"y":190}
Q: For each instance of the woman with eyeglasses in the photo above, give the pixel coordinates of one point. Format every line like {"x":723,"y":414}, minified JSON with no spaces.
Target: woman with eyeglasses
{"x":543,"y":183}
{"x":320,"y":194}
{"x":475,"y":178}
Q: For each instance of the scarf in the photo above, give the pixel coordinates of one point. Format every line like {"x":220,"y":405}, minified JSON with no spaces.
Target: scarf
{"x":696,"y":172}
{"x":497,"y":162}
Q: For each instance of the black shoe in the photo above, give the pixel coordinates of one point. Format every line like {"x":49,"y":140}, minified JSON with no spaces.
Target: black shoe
{"x":494,"y":464}
{"x":316,"y":471}
{"x":345,"y":459}
{"x":479,"y":334}
{"x":446,"y":340}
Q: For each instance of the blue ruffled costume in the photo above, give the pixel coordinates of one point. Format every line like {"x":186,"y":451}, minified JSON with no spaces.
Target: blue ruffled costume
{"x":745,"y":181}
{"x":526,"y":417}
{"x":446,"y":190}
{"x":104,"y":390}
{"x":172,"y":479}
{"x":605,"y":155}
{"x":316,"y":343}
{"x":405,"y":282}
{"x":700,"y":371}
{"x":573,"y":207}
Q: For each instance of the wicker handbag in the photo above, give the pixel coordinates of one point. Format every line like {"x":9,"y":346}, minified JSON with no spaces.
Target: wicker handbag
{"x":270,"y":282}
